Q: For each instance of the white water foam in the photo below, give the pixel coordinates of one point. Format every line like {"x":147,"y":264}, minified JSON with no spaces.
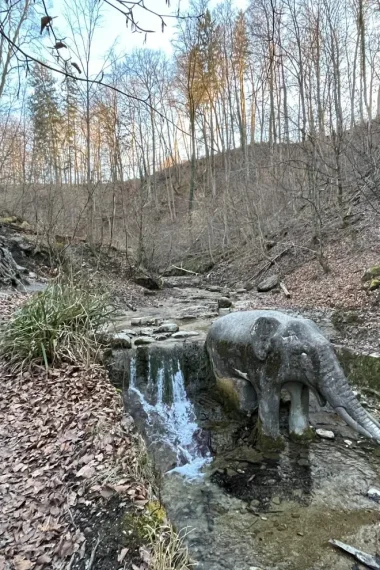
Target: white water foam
{"x":173,"y":423}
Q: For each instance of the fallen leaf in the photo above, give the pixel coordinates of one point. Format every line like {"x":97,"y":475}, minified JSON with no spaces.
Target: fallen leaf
{"x":19,"y":467}
{"x":44,"y":559}
{"x":145,"y":555}
{"x":87,"y":472}
{"x":67,"y":549}
{"x":123,"y":489}
{"x":122,"y":554}
{"x":22,"y":563}
{"x":106,"y":492}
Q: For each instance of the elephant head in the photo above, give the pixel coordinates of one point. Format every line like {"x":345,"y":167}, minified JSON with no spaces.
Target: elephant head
{"x":304,"y":356}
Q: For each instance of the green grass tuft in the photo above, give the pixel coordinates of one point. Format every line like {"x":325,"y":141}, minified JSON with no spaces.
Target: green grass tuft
{"x":60,"y":324}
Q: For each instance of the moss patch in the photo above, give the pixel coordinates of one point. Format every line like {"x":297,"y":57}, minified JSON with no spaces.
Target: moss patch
{"x":375,"y":284}
{"x":264,"y":442}
{"x":227,"y":390}
{"x":371,"y":273}
{"x":140,"y":525}
{"x":308,"y":436}
{"x":360,"y":369}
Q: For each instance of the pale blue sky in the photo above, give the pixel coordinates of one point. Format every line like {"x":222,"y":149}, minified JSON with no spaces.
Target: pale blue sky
{"x":113,"y":26}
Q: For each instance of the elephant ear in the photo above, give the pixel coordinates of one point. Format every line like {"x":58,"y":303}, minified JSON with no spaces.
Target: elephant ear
{"x":262,"y":333}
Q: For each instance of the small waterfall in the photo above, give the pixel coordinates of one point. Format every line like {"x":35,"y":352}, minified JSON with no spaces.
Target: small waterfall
{"x":170,"y":415}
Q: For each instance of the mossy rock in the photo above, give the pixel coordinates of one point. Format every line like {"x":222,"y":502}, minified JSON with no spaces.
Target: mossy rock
{"x":371,"y":273}
{"x":360,"y":369}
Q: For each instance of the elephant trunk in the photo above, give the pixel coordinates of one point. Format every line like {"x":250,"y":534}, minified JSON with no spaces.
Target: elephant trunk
{"x":336,"y":389}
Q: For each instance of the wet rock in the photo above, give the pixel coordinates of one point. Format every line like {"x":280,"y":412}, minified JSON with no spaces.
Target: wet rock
{"x":276,"y":500}
{"x":374,"y":494}
{"x":214,"y":288}
{"x":120,"y":340}
{"x":200,"y":311}
{"x":185,"y":334}
{"x":146,"y":332}
{"x":163,"y":336}
{"x":167,"y":327}
{"x":268,"y":284}
{"x":348,"y":442}
{"x":148,"y":282}
{"x":129,"y":332}
{"x":241,"y":291}
{"x":224,"y":303}
{"x":32,"y":275}
{"x":143,"y":340}
{"x":145,"y":321}
{"x":303,"y":462}
{"x":325,"y":433}
{"x":149,"y":292}
{"x":254,"y":504}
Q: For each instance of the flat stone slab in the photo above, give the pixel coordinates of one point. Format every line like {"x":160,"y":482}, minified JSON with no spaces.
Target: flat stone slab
{"x":139,"y":341}
{"x":185,"y":334}
{"x":214,"y":288}
{"x":120,"y":340}
{"x":145,"y":321}
{"x":129,"y":332}
{"x":267,"y":284}
{"x":167,"y":328}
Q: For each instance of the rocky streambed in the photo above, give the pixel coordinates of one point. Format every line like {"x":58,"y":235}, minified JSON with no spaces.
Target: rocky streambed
{"x":243,"y":508}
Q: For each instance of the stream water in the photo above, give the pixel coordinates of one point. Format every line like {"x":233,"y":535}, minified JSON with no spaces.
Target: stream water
{"x":170,"y":419}
{"x":245,"y":509}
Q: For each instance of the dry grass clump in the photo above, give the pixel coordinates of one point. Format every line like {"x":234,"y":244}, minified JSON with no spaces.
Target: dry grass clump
{"x":167,"y":549}
{"x":60,"y":324}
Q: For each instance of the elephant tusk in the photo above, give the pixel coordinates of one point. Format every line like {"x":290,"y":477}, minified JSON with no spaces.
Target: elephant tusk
{"x":352,"y":423}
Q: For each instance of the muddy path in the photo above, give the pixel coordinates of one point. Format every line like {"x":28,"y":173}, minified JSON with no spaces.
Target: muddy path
{"x":255,"y":510}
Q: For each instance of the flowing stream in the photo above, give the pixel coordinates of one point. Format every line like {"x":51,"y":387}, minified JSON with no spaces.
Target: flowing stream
{"x":170,"y":418}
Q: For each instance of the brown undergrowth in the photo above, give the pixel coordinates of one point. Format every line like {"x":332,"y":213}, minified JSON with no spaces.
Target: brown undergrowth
{"x":75,"y":488}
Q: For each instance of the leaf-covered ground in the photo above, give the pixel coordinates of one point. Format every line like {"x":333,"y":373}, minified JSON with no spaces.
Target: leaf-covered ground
{"x":67,"y":453}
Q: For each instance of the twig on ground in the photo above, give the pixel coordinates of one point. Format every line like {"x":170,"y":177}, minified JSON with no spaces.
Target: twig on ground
{"x":93,"y":553}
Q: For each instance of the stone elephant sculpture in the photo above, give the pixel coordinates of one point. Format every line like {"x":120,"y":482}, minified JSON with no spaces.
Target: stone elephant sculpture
{"x":254,"y":354}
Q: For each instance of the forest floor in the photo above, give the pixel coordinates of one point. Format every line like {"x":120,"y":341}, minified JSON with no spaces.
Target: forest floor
{"x":74,"y":478}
